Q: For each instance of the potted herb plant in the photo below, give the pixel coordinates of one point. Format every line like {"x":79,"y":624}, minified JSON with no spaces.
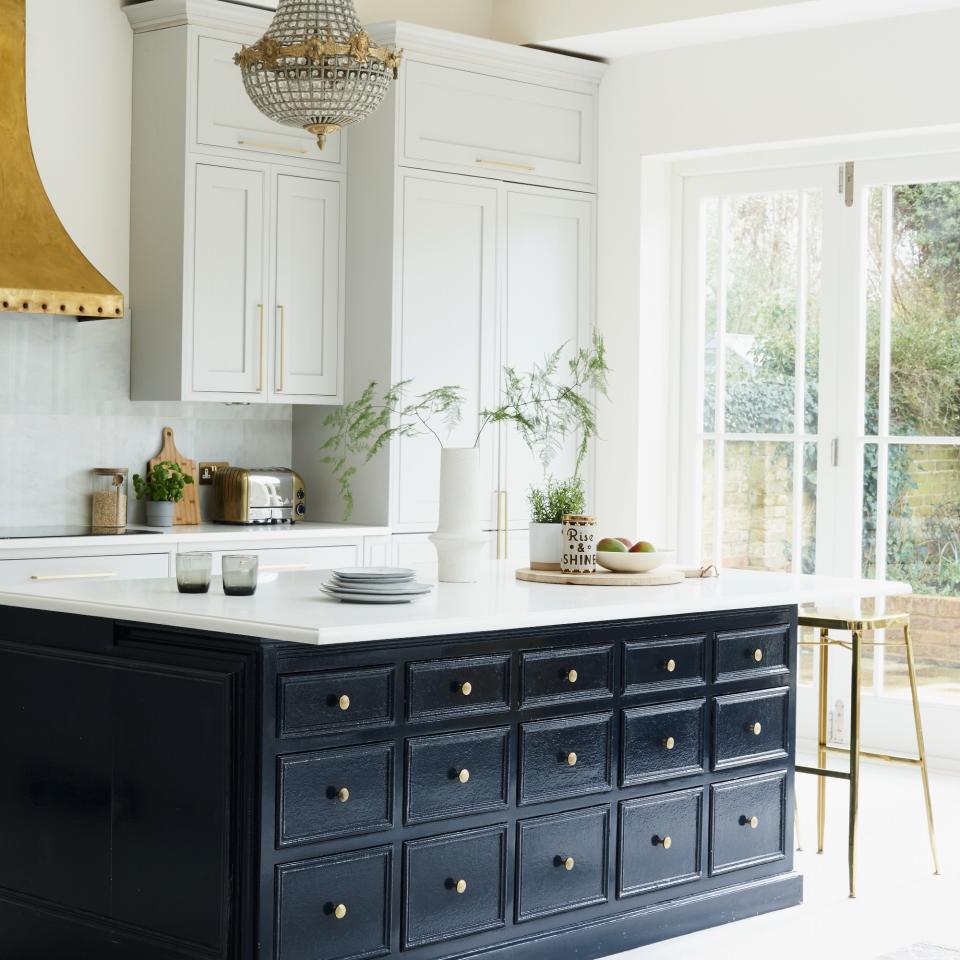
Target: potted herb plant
{"x":162,"y":488}
{"x":548,"y":505}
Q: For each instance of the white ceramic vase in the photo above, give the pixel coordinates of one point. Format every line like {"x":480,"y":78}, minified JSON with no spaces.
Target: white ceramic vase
{"x":459,"y":540}
{"x":546,"y":545}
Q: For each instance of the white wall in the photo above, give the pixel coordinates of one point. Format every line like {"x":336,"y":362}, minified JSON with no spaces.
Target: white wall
{"x":856,"y":81}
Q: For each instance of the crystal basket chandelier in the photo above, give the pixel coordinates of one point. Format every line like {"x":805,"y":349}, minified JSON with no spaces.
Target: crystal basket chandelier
{"x":317,"y":68}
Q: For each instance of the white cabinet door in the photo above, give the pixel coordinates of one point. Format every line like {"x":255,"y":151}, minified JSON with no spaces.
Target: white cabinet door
{"x":549,"y":303}
{"x":448,"y":328}
{"x":228,"y":281}
{"x":308,"y":304}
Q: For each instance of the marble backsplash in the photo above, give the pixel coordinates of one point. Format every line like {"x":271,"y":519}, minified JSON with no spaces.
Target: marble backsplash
{"x":65,"y":408}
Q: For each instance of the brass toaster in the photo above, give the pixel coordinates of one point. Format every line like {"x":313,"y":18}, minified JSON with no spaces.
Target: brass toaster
{"x":258,"y":495}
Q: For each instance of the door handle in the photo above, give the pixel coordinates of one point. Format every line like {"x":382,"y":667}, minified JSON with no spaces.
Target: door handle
{"x":74,"y":576}
{"x":501,"y":524}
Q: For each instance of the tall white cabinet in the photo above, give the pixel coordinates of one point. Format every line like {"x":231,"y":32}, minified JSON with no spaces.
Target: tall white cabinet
{"x":237,"y":224}
{"x":471,"y":244}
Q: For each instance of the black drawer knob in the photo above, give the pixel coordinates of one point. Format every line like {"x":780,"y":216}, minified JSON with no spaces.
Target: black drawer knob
{"x":572,"y":676}
{"x":665,"y":842}
{"x":464,"y":775}
{"x":340,"y":911}
{"x":343,"y":794}
{"x":466,"y":688}
{"x":758,"y":655}
{"x":571,"y":759}
{"x":460,"y":886}
{"x":670,"y":666}
{"x":343,"y":702}
{"x":669,"y":743}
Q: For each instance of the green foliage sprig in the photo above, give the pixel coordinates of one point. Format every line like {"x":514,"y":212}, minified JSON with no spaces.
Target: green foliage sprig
{"x":164,"y":483}
{"x":551,"y":502}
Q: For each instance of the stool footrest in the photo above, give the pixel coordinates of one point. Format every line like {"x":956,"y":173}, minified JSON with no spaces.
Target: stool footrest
{"x":824,"y":772}
{"x":886,"y":757}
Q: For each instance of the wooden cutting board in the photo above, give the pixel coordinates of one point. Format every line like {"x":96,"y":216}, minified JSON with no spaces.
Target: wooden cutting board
{"x":187,"y":511}
{"x":603,"y":578}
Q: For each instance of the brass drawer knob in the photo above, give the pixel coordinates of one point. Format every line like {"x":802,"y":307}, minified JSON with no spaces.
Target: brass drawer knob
{"x":669,"y":743}
{"x":344,"y":702}
{"x":665,"y":842}
{"x":464,"y":775}
{"x":340,"y":911}
{"x":758,"y":655}
{"x":568,"y":863}
{"x":572,"y":676}
{"x":751,"y":822}
{"x":756,"y":729}
{"x":571,"y":759}
{"x":343,"y":794}
{"x":460,"y":886}
{"x":671,"y":665}
{"x":466,"y":688}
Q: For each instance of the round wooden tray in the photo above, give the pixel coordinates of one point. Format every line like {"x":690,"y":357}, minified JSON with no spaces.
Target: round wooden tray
{"x":603,"y":578}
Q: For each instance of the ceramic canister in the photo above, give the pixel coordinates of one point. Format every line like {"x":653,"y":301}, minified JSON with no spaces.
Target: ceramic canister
{"x":579,"y":544}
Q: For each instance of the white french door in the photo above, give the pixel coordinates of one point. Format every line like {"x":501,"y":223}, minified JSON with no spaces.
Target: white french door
{"x":821,"y":400}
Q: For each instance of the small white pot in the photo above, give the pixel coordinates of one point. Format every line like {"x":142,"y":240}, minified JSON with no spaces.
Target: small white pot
{"x":160,"y":513}
{"x":546,"y":545}
{"x":459,"y":540}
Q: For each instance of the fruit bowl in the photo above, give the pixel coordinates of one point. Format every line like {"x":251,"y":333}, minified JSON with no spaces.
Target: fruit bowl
{"x":633,"y":562}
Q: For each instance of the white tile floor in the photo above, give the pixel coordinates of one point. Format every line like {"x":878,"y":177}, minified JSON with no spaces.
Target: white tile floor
{"x":899,"y":902}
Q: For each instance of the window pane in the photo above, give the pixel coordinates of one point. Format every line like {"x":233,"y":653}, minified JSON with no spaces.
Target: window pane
{"x":758,"y":505}
{"x":871,"y":406}
{"x":762,"y":272}
{"x":808,"y":535}
{"x":813,"y":201}
{"x":709,"y":509}
{"x":711,"y":297}
{"x":869,"y":542}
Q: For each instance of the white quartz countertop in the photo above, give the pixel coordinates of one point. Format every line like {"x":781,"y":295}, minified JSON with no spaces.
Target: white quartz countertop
{"x":291,"y":607}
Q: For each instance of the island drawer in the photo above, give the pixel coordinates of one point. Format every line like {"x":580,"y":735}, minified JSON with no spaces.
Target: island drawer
{"x":662,"y":741}
{"x":747,"y":822}
{"x":742,"y":654}
{"x":568,"y":757}
{"x":313,"y":703}
{"x":750,"y":727}
{"x":449,"y":688}
{"x":562,"y":862}
{"x":454,"y":885}
{"x":334,"y":908}
{"x":663,"y":664}
{"x":456,"y":774}
{"x":334,"y":793}
{"x":565,"y":675}
{"x":660,"y":841}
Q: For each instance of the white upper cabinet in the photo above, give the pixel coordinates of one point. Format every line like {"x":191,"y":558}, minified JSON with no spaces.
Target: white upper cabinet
{"x":470,"y":122}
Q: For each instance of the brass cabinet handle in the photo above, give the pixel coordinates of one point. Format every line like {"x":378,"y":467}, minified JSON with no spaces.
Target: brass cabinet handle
{"x":344,"y":702}
{"x":262,"y":356}
{"x":343,"y":794}
{"x":283,"y":346}
{"x":670,"y":666}
{"x":466,"y":688}
{"x":568,"y":863}
{"x":751,"y":822}
{"x":665,"y":842}
{"x":264,"y":145}
{"x":572,"y":676}
{"x":669,"y":743}
{"x":460,"y":886}
{"x":758,"y":655}
{"x":756,"y":729}
{"x":571,"y":759}
{"x":340,"y":911}
{"x":502,"y":523}
{"x":106,"y":575}
{"x":506,"y":164}
{"x":463,"y":775}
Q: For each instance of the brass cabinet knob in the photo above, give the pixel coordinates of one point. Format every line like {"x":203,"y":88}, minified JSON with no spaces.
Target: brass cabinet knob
{"x":751,"y":822}
{"x":568,"y":863}
{"x":571,"y":759}
{"x":758,"y":655}
{"x":463,"y":775}
{"x":344,"y":702}
{"x":671,"y":665}
{"x":466,"y":688}
{"x":460,"y":886}
{"x":665,"y":842}
{"x":343,"y":794}
{"x":669,"y":743}
{"x":572,"y":676}
{"x":756,"y":729}
{"x":340,"y":911}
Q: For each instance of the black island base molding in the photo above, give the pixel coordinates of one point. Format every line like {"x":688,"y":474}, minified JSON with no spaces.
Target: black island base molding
{"x":169,"y":795}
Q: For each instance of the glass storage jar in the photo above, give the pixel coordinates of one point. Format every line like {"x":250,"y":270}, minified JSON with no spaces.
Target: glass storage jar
{"x":109,"y":499}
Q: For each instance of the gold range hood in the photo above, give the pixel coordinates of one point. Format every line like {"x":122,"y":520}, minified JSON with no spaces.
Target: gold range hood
{"x":41,"y":268}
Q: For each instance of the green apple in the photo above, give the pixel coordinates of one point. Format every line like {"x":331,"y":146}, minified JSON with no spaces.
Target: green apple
{"x":627,"y":543}
{"x":609,"y":545}
{"x":643,"y":546}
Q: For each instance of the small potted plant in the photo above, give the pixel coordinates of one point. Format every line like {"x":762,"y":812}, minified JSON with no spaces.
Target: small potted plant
{"x":548,"y":505}
{"x":162,"y":488}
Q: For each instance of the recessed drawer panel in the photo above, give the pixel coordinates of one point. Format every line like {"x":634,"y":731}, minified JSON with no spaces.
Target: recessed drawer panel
{"x":454,"y":885}
{"x":560,"y":676}
{"x":740,"y":654}
{"x":335,"y":793}
{"x":747,"y":822}
{"x":140,"y":566}
{"x":660,"y":841}
{"x":569,"y":757}
{"x":456,"y":774}
{"x":335,"y":908}
{"x":312,"y":703}
{"x":662,"y":664}
{"x":562,"y":862}
{"x":750,"y":727}
{"x":447,"y":688}
{"x":665,"y":740}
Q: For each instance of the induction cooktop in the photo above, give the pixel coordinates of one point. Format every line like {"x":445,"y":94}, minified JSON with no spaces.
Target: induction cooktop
{"x":30,"y":533}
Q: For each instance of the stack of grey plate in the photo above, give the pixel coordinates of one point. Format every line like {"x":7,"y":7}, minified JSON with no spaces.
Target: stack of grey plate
{"x":374,"y":585}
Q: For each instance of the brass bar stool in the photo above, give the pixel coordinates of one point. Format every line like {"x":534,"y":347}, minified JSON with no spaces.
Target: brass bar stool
{"x":857,"y":626}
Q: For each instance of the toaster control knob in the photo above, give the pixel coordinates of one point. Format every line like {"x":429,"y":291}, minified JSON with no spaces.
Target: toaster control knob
{"x":300,"y":494}
{"x":301,"y":509}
